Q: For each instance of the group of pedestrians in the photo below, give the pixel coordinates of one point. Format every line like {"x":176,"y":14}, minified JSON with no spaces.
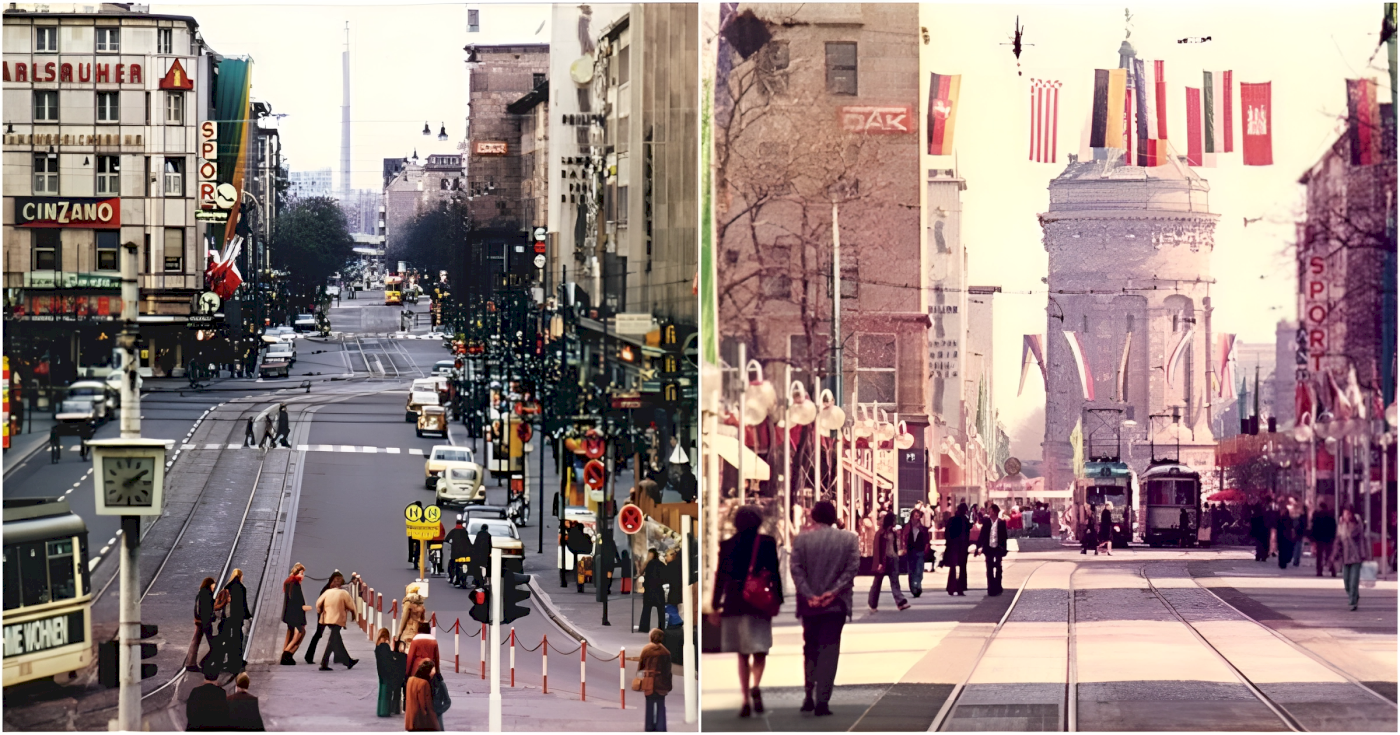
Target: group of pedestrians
{"x":276,"y":431}
{"x":218,"y":622}
{"x":1282,"y":527}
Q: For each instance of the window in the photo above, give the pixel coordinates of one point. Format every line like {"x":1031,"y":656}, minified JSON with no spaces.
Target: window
{"x":850,"y":283}
{"x":165,"y":41}
{"x":174,"y":108}
{"x":800,"y":354}
{"x":107,"y":106}
{"x":776,"y":285}
{"x":48,"y":250}
{"x":775,"y":56}
{"x":174,"y":177}
{"x":174,"y":249}
{"x":876,"y":356}
{"x":46,"y":40}
{"x":109,"y":40}
{"x":46,"y":173}
{"x":537,"y":79}
{"x":107,"y":250}
{"x":841,"y":67}
{"x":46,"y":106}
{"x":622,"y":204}
{"x":585,"y":99}
{"x":473,"y":21}
{"x":624,"y":65}
{"x":109,"y":175}
{"x":146,"y":255}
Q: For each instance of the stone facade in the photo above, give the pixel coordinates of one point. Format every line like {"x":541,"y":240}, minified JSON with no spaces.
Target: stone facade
{"x":414,"y":188}
{"x":1130,"y":252}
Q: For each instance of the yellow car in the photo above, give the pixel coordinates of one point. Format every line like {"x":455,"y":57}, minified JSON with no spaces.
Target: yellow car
{"x":444,"y":457}
{"x":418,"y":399}
{"x":432,"y":420}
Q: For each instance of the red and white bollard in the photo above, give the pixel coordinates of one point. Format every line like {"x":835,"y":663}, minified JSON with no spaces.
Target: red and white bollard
{"x":456,"y":646}
{"x":483,"y":651}
{"x":583,"y":671}
{"x":433,"y":623}
{"x":622,"y":677}
{"x":512,"y":657}
{"x":544,"y":666}
{"x":379,"y":611}
{"x":394,"y":620}
{"x":367,"y":616}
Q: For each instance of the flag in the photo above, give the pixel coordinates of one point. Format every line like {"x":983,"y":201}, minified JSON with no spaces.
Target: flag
{"x":1159,"y":78}
{"x":1257,"y":124}
{"x":1144,"y":111}
{"x":1031,"y":349}
{"x":942,"y":112}
{"x":1193,"y":127}
{"x":1174,"y":359}
{"x":1354,"y":397}
{"x":1218,"y":113}
{"x":1303,"y":403}
{"x":1110,"y":89}
{"x":1363,"y":122}
{"x":1076,"y":443}
{"x":1227,"y":367}
{"x":1341,"y":406}
{"x":223,"y":275}
{"x":1081,"y":361}
{"x":1227,"y":110}
{"x":1045,"y":119}
{"x":1128,"y":132}
{"x":1123,"y":368}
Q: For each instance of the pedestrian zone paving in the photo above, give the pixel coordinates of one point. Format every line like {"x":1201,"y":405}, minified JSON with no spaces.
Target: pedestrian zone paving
{"x":353,"y":449}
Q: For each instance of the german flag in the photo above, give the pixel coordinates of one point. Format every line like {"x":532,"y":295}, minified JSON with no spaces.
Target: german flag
{"x":942,"y":112}
{"x":1110,"y":98}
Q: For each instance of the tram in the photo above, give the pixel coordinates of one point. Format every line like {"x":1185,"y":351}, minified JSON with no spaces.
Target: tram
{"x":1168,"y":487}
{"x":47,"y":592}
{"x":1110,"y":481}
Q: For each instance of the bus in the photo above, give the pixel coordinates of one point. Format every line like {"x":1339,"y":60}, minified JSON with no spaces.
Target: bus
{"x":47,"y":592}
{"x":393,"y":290}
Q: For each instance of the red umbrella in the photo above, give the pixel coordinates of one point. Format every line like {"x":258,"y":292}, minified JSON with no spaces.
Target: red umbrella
{"x":1228,"y":495}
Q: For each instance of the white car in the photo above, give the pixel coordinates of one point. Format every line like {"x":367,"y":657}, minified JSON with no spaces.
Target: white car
{"x":504,"y":535}
{"x":460,"y":485}
{"x":114,"y":382}
{"x":444,"y":367}
{"x":304,"y":323}
{"x":332,"y":291}
{"x":282,"y":351}
{"x":442,"y":458}
{"x":86,"y":401}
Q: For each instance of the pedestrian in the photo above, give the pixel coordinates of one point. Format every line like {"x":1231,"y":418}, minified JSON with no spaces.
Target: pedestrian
{"x":1183,"y":528}
{"x":207,"y":706}
{"x":269,"y":439}
{"x":418,"y":711}
{"x":320,"y":627}
{"x":824,"y":563}
{"x":411,"y":615}
{"x":391,"y":677}
{"x":203,"y":623}
{"x":1324,"y":535}
{"x":956,"y":533}
{"x":1088,"y":532}
{"x":654,"y":670}
{"x":249,"y":436}
{"x":916,"y":545}
{"x":442,"y":700}
{"x":459,"y":544}
{"x":747,"y":594}
{"x":294,"y":609}
{"x":563,"y":561}
{"x":231,"y":630}
{"x":991,"y":543}
{"x":334,"y":608}
{"x":886,"y":564}
{"x":1105,"y":530}
{"x":1271,"y":514}
{"x":243,"y":714}
{"x":1299,"y":514}
{"x":1284,"y":530}
{"x":1352,"y":549}
{"x":1259,"y":533}
{"x":674,"y":596}
{"x":653,"y":591}
{"x":423,"y":647}
{"x":284,"y":426}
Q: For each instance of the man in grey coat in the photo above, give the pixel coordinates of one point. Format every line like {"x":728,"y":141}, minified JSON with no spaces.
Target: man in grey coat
{"x":824,"y":563}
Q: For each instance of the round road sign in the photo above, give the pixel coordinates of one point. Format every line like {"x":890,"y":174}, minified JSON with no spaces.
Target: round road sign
{"x":413,"y":513}
{"x":539,"y":260}
{"x":593,"y":474}
{"x":432,"y":514}
{"x":1012,"y":466}
{"x":629,"y":519}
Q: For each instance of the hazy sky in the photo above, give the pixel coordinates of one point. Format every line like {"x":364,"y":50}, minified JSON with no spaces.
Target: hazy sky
{"x":406,"y":67}
{"x":1305,"y":50}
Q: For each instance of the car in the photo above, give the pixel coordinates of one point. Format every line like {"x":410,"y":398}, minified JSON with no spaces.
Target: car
{"x":416,"y":400}
{"x":504,"y":535}
{"x":436,"y":384}
{"x":461,"y":485}
{"x":86,"y":401}
{"x":274,"y":368}
{"x":304,"y":323}
{"x":432,"y":419}
{"x":444,"y":367}
{"x":332,"y":291}
{"x":442,"y":458}
{"x":436,"y":334}
{"x":282,"y":351}
{"x":114,"y":383}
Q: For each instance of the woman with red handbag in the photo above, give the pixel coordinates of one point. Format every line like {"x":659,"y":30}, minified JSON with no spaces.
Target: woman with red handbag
{"x":747,"y":594}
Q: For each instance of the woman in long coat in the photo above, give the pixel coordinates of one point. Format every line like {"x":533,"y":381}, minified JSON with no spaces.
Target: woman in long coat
{"x":957,"y":532}
{"x":294,"y":609}
{"x":1088,"y":532}
{"x":418,"y":711}
{"x":231,"y":631}
{"x":413,"y":613}
{"x":391,"y":676}
{"x":744,"y":629}
{"x":1351,"y":549}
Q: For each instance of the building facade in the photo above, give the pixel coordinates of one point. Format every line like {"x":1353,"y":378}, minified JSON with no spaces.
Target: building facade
{"x":308,"y":184}
{"x":414,"y":187}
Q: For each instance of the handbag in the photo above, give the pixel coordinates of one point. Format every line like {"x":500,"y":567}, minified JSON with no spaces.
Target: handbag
{"x":759,"y":587}
{"x":442,"y":701}
{"x":644,"y":683}
{"x":1369,"y":571}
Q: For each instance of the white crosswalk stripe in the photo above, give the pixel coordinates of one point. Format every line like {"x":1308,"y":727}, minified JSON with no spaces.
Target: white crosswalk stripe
{"x":343,"y":448}
{"x":415,"y":450}
{"x":369,"y":450}
{"x":391,"y":450}
{"x":347,"y":449}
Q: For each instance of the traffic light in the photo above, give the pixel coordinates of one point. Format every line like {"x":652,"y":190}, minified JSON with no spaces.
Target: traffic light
{"x":481,"y":604}
{"x":516,"y":593}
{"x":109,"y":658}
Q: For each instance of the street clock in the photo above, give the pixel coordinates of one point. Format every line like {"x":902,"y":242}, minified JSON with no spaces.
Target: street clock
{"x":209,"y":303}
{"x":129,"y":476}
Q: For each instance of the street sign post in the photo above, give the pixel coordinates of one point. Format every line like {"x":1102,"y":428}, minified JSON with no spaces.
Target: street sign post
{"x":421,"y":524}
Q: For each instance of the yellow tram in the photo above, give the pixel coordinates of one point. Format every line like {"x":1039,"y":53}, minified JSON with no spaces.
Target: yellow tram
{"x":47,"y":592}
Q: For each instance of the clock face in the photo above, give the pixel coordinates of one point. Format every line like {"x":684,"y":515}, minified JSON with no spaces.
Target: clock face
{"x":128,"y":481}
{"x":209,"y":302}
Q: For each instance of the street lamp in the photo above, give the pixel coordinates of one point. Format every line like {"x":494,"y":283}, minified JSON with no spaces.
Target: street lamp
{"x":442,"y":133}
{"x":426,"y":130}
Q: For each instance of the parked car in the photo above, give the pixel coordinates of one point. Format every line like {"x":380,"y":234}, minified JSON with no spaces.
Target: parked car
{"x":436,"y":384}
{"x":461,"y":485}
{"x":418,"y":399}
{"x":304,"y":323}
{"x":282,"y":351}
{"x":444,"y":367}
{"x":86,"y":401}
{"x":442,"y":458}
{"x":332,"y":291}
{"x":114,"y":383}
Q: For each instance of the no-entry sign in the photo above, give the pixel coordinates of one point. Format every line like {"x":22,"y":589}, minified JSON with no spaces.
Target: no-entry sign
{"x":629,"y":519}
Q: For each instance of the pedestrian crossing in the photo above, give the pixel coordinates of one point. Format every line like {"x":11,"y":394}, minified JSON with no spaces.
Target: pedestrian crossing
{"x":342,"y":448}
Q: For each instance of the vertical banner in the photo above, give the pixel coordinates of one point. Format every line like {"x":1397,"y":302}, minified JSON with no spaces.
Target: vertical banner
{"x":1144,"y":111}
{"x":1045,"y":119}
{"x":942,"y":112}
{"x":1258,"y":123}
{"x":1159,"y":78}
{"x":1081,"y":361}
{"x":1122,"y":385}
{"x":231,"y":110}
{"x":1363,"y":122}
{"x":1032,"y":349}
{"x":1227,"y":367}
{"x":1227,"y":111}
{"x":1128,"y":133}
{"x":1210,"y":90}
{"x":1178,"y":351}
{"x":1193,"y":127}
{"x":1106,"y":128}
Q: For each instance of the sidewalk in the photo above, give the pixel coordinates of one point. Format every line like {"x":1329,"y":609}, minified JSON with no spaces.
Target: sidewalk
{"x":24,"y":446}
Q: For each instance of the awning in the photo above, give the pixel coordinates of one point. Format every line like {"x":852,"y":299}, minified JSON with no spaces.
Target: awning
{"x":727,"y":447}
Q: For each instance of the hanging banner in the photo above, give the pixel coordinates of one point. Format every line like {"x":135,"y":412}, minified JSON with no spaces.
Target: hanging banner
{"x":1174,"y":359}
{"x":1045,"y":119}
{"x":1194,"y":151}
{"x":1258,"y":124}
{"x":232,"y":112}
{"x":1110,"y":91}
{"x":1032,"y":348}
{"x":1081,"y":362}
{"x":1226,"y":347}
{"x":942,"y":112}
{"x":1363,"y":122}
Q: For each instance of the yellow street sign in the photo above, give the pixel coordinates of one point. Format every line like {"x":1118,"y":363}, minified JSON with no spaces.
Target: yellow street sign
{"x":413,"y":513}
{"x":422,"y":531}
{"x":432,"y":514}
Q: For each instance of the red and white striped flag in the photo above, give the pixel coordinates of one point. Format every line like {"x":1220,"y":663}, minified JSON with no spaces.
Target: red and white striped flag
{"x":1159,"y":80}
{"x":1045,"y":119}
{"x":1081,"y":361}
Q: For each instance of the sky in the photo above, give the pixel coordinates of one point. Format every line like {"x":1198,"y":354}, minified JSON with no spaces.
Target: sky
{"x":407,"y":67}
{"x":1306,"y":51}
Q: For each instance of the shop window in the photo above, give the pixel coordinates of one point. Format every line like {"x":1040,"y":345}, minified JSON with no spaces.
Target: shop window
{"x":108,"y":106}
{"x":174,"y":249}
{"x":46,"y":106}
{"x":165,"y":41}
{"x":109,"y":40}
{"x":841,"y":67}
{"x":174,"y":177}
{"x":46,"y":39}
{"x":48,"y":250}
{"x":46,"y":173}
{"x":107,"y":251}
{"x":109,"y":175}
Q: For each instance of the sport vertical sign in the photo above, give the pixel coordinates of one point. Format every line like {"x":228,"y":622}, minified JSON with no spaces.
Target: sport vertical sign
{"x":208,"y":163}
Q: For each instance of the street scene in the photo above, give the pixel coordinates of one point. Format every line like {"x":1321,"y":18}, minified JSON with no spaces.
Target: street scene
{"x":384,"y":420}
{"x":1168,"y":504}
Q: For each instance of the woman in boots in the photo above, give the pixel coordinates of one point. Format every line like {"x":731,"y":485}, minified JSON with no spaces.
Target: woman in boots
{"x":294,"y":609}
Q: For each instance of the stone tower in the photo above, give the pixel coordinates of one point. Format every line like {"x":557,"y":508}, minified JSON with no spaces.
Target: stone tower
{"x":1130,"y":251}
